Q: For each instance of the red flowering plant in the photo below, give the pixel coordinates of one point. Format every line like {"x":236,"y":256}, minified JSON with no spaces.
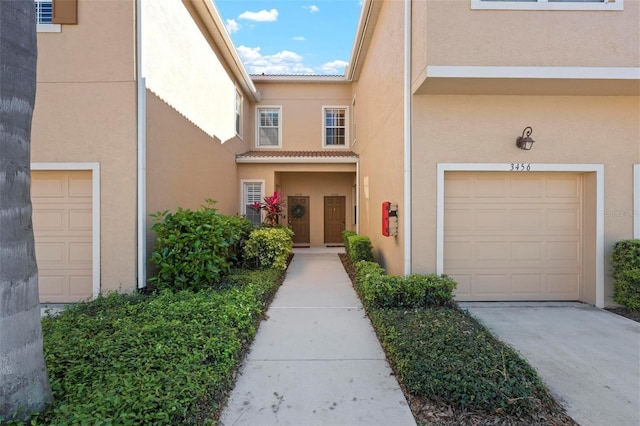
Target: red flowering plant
{"x":273,"y":205}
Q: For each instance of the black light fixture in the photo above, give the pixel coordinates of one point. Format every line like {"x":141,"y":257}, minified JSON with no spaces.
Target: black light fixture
{"x":525,"y":142}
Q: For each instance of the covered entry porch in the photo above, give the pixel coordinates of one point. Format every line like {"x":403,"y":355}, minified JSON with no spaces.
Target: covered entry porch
{"x":321,"y":197}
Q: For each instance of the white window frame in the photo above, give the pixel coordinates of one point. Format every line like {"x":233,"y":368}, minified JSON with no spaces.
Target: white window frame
{"x":346,"y":126}
{"x":238,"y":113}
{"x":243,"y":201}
{"x":46,"y":27}
{"x":607,"y":5}
{"x":271,"y":107}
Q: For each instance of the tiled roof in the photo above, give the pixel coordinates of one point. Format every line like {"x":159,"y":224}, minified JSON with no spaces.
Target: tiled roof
{"x":298,"y":154}
{"x":296,"y":75}
{"x":300,"y":157}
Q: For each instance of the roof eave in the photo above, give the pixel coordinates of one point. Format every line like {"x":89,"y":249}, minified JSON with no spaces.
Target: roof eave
{"x":366,"y":25}
{"x":210,"y":17}
{"x":298,"y":160}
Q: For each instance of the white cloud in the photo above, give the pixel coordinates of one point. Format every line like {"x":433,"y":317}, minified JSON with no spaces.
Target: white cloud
{"x":336,"y":67}
{"x":232,"y":26}
{"x":285,"y":62}
{"x":262,"y":16}
{"x":312,"y":9}
{"x":299,"y":38}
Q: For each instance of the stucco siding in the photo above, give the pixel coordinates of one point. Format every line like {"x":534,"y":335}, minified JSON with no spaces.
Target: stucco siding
{"x":567,"y":130}
{"x":79,"y":122}
{"x":100,"y":48}
{"x":181,"y":67}
{"x":302,"y":114}
{"x":379,"y":141}
{"x":458,"y":35}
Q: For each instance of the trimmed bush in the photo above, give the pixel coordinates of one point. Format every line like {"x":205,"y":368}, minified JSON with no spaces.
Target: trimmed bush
{"x":446,"y":355}
{"x":359,"y":248}
{"x":166,"y":358}
{"x":625,"y":264}
{"x":345,"y":238}
{"x":269,"y":248}
{"x":194,"y":249}
{"x":379,"y":290}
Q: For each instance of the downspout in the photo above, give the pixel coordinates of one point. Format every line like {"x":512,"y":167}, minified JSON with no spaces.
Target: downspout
{"x":142,"y":155}
{"x":357,"y":218}
{"x":407,"y":137}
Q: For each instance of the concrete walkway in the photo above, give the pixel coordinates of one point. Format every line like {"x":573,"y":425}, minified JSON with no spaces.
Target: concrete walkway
{"x":589,"y":358}
{"x":316,"y":359}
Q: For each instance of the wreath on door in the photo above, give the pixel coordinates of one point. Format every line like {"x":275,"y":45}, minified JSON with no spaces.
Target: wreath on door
{"x":297,"y":211}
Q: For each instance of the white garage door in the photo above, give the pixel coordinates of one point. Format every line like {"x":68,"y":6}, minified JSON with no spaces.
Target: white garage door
{"x":513,"y":236}
{"x":62,"y":224}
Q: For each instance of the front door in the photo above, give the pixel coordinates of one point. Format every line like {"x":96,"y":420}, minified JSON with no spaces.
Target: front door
{"x":334,"y":219}
{"x":298,"y":208}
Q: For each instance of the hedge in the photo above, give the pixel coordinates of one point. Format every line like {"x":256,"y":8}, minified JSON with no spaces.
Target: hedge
{"x":625,"y":265}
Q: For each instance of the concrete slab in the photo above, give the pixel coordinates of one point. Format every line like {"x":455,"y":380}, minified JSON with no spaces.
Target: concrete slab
{"x":316,"y":333}
{"x":588,"y":357}
{"x":316,"y":359}
{"x":317,"y":393}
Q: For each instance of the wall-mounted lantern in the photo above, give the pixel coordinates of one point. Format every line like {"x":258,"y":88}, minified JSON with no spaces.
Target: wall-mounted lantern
{"x":525,"y":142}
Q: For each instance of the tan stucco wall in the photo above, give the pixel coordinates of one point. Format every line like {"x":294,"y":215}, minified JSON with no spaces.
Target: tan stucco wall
{"x":379,"y":142}
{"x":85,"y":112}
{"x":182,"y":68}
{"x":185,"y":166}
{"x":302,"y":118}
{"x":458,"y":35}
{"x":483,"y":129}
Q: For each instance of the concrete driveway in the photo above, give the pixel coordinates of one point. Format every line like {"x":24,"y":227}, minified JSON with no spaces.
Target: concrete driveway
{"x":589,"y":358}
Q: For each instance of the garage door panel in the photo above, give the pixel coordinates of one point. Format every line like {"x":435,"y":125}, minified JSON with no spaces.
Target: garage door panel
{"x":63,"y":231}
{"x":516,"y":244}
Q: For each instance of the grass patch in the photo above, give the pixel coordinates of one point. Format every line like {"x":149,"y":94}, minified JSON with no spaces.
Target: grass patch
{"x":167,"y":358}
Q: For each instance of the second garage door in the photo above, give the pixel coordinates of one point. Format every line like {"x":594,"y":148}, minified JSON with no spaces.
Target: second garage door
{"x":62,"y":226}
{"x":513,"y":236}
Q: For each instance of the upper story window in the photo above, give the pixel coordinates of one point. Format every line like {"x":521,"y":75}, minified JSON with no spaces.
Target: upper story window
{"x":269,"y":126}
{"x":548,"y":4}
{"x":44,"y":11}
{"x":51,"y":13}
{"x":238,"y":113}
{"x":335,"y":128}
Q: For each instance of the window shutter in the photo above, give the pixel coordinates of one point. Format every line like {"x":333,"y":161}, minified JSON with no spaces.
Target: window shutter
{"x":65,"y":12}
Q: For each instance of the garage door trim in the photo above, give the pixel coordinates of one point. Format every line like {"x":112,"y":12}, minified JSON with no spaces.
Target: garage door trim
{"x":94,"y":168}
{"x":598,"y":169}
{"x":636,"y":201}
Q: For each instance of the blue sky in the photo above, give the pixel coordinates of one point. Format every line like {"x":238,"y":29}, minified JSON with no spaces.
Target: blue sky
{"x":292,"y":36}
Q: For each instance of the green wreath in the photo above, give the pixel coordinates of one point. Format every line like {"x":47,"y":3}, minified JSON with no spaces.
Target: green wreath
{"x":297,"y":211}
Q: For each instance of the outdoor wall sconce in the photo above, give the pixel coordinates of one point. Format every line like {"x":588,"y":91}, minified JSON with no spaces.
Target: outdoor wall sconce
{"x":525,"y":142}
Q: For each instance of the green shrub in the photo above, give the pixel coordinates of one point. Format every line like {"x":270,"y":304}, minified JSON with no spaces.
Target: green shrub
{"x":379,"y":290}
{"x":359,"y":248}
{"x":194,"y":249}
{"x":446,"y":355}
{"x":164,"y":358}
{"x":345,"y":238}
{"x":269,"y":248}
{"x":625,"y":264}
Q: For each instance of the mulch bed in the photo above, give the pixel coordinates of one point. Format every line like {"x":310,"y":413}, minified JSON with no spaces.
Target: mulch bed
{"x":429,"y":412}
{"x":627,"y":313}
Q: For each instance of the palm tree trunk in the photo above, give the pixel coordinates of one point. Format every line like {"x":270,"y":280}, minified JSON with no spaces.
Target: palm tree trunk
{"x":24,"y":386}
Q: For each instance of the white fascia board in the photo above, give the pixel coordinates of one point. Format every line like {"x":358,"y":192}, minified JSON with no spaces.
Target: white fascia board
{"x":299,"y":160}
{"x":578,"y":73}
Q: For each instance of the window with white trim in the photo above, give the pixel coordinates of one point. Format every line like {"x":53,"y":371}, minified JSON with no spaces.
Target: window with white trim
{"x":252,"y":193}
{"x":238,"y":113}
{"x":548,"y":4}
{"x":269,"y":127}
{"x":335,"y":126}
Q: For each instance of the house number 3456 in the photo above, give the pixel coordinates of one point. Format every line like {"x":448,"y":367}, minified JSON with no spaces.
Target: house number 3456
{"x":520,"y":167}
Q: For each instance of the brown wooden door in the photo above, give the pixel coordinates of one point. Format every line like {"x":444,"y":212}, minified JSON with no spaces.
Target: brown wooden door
{"x":334,"y":219}
{"x":299,"y":225}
